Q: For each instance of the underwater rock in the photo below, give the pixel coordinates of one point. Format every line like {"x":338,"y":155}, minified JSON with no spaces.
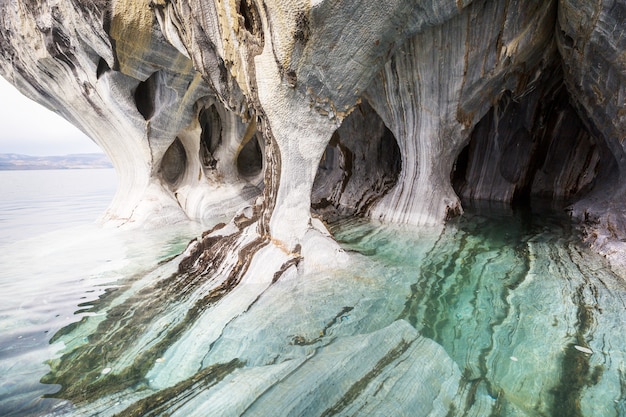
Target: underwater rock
{"x":458,"y":320}
{"x":396,"y":111}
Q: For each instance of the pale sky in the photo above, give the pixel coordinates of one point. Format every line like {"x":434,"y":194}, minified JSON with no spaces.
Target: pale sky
{"x":30,"y":129}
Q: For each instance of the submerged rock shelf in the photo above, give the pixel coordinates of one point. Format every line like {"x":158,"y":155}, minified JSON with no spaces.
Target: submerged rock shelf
{"x":495,"y":314}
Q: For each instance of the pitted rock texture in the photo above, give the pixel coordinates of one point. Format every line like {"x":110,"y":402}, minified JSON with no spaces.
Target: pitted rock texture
{"x":204,"y":107}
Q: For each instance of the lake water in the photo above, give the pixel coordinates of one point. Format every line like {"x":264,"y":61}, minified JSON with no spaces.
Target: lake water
{"x":499,"y":313}
{"x":36,"y":202}
{"x":54,"y":257}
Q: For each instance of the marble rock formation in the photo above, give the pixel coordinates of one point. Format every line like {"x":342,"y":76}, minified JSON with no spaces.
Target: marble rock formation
{"x":203,"y":107}
{"x":284,"y":113}
{"x":501,"y":315}
{"x":394,"y":110}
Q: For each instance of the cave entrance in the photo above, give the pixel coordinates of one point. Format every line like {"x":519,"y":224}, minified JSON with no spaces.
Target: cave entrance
{"x":229,"y":146}
{"x":151,"y":95}
{"x":210,"y":136}
{"x":250,"y":158}
{"x":361,"y":164}
{"x":534,"y":147}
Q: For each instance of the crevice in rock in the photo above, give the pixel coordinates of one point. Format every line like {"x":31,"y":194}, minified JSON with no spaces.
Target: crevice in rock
{"x":302,"y":31}
{"x":568,"y":41}
{"x":59,"y":46}
{"x":251,"y":18}
{"x":145,"y":96}
{"x":173,"y":163}
{"x":210,"y":137}
{"x":103,"y":68}
{"x":361,"y":164}
{"x":459,"y":170}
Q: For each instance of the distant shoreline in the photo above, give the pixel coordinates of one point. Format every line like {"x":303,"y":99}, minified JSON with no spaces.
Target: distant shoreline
{"x":18,"y":162}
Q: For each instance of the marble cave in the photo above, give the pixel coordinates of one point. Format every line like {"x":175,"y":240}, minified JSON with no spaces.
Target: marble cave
{"x":348,"y":149}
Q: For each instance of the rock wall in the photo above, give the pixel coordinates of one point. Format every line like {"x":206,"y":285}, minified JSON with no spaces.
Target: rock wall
{"x":531,"y":146}
{"x":107,"y":68}
{"x":591,"y":42}
{"x":205,"y":106}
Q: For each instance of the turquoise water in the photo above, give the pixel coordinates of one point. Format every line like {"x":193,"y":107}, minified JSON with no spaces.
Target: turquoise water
{"x":54,"y":260}
{"x":534,"y":321}
{"x":499,"y":313}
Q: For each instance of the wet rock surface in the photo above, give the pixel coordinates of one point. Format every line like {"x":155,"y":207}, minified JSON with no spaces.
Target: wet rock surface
{"x":203,"y":107}
{"x":460,"y":320}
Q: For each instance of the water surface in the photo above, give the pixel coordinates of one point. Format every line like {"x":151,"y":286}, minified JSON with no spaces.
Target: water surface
{"x":34,"y":202}
{"x":499,"y":313}
{"x":54,"y":262}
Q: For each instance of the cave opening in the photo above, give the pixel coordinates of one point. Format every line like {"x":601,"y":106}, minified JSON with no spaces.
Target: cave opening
{"x":459,"y":170}
{"x":145,"y":96}
{"x":250,"y":158}
{"x":210,"y":136}
{"x":173,"y":163}
{"x":361,"y":163}
{"x":102,"y":68}
{"x":530,"y":148}
{"x":389,"y":155}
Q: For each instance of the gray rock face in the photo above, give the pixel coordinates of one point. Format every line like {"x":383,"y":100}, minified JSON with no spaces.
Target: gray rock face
{"x":530,"y":146}
{"x":591,"y":42}
{"x":107,"y":68}
{"x":203,"y":106}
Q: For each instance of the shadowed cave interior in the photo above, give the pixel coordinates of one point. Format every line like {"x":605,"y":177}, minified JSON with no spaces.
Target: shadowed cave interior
{"x":534,"y":146}
{"x":530,"y":147}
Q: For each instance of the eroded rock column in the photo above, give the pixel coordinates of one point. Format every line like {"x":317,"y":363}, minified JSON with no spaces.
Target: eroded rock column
{"x":302,"y":69}
{"x":439,"y":84}
{"x":416,"y":95}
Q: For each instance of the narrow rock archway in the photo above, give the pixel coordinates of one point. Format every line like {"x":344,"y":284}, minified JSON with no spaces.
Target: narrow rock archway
{"x":361,"y":164}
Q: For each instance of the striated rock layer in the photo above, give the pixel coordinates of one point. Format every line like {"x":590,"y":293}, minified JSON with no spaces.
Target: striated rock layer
{"x":193,"y":101}
{"x":204,"y":106}
{"x":492,"y":315}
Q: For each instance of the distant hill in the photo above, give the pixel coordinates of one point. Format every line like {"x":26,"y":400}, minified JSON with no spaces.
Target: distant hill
{"x":11,"y":161}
